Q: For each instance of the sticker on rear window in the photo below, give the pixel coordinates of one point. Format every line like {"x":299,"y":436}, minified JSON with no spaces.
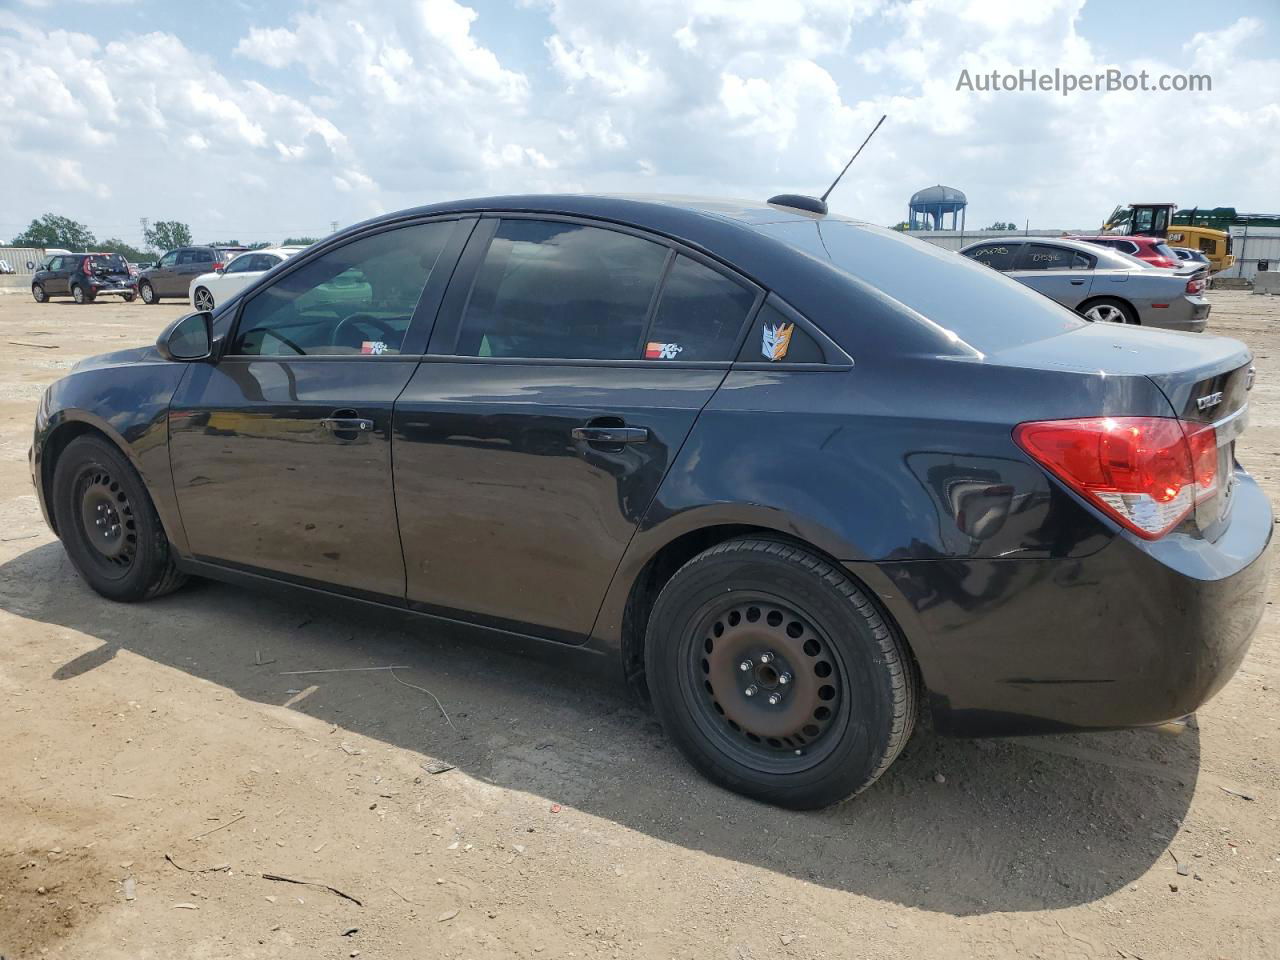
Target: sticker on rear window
{"x":776,"y":340}
{"x":662,"y":351}
{"x":374,"y":347}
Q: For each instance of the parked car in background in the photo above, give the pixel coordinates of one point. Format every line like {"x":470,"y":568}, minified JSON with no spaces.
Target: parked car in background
{"x":172,"y":274}
{"x":208,"y":290}
{"x":1190,"y":256}
{"x":1152,"y":250}
{"x":798,"y":477}
{"x":1099,"y":283}
{"x":84,"y":277}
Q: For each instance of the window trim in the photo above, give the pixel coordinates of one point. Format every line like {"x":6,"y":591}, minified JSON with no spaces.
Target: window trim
{"x":448,"y":328}
{"x":437,"y":285}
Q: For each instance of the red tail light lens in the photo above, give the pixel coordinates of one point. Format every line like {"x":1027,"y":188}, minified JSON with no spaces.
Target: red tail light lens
{"x":1195,"y":286}
{"x":1147,"y":473}
{"x":86,"y":267}
{"x":217,"y":266}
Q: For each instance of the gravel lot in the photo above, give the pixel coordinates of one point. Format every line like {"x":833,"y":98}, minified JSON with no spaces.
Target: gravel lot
{"x":568,"y":827}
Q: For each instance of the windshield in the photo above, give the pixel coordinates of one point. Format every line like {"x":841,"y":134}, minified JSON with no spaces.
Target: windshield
{"x":108,"y":263}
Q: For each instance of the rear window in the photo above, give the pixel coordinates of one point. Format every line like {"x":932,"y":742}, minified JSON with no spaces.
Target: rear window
{"x":109,"y":263}
{"x":984,"y":308}
{"x":1164,"y":251}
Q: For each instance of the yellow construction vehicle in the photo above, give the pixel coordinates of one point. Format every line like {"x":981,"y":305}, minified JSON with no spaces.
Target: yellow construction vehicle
{"x":1159,"y":220}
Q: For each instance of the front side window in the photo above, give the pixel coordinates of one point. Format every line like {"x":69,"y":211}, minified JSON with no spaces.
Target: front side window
{"x":560,"y":290}
{"x":241,"y":264}
{"x":355,"y":299}
{"x":997,"y":256}
{"x":169,"y":259}
{"x":700,"y":314}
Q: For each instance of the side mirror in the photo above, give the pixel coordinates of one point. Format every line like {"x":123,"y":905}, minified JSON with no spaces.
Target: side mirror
{"x":187,"y":338}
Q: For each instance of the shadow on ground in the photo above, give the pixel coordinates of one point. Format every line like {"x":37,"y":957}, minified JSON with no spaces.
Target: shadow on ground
{"x":1038,"y":823}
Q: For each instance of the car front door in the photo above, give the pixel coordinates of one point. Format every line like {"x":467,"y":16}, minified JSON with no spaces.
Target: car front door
{"x":56,"y":284}
{"x":566,"y":370}
{"x":281,"y":449}
{"x":161,"y":276}
{"x":1058,"y":272}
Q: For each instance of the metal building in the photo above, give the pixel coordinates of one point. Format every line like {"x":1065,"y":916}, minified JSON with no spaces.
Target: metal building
{"x":929,"y":207}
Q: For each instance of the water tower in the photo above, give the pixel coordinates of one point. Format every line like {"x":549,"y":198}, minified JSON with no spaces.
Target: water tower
{"x":929,"y":208}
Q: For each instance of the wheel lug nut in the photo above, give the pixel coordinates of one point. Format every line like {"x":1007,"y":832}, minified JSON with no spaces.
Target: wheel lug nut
{"x":774,"y":699}
{"x":784,"y":678}
{"x":751,"y":691}
{"x":744,"y":666}
{"x":766,"y":657}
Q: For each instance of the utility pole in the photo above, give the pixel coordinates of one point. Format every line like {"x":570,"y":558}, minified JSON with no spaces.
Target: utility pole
{"x":333,"y":226}
{"x":146,"y":223}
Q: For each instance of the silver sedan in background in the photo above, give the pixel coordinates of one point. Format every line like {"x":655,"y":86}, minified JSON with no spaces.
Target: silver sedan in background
{"x":1099,"y":283}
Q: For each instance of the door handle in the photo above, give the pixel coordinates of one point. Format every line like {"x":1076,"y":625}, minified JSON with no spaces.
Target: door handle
{"x":611,"y":434}
{"x":348,"y":429}
{"x":1076,"y":283}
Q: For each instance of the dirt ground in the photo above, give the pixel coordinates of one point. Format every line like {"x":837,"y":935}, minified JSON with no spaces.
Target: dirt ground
{"x":157,"y":761}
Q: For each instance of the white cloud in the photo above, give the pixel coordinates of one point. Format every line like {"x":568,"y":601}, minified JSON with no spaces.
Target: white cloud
{"x":343,"y":110}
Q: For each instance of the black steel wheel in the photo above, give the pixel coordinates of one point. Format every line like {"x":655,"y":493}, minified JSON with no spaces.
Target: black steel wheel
{"x":108,"y":524}
{"x":777,"y":676}
{"x":765,"y":684}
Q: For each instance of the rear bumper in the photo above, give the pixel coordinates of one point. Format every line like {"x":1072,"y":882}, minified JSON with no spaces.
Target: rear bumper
{"x":106,"y":291}
{"x":1189,"y":314}
{"x":1132,"y":635}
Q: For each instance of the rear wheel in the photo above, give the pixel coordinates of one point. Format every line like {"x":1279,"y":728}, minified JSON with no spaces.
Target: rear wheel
{"x":1108,"y":310}
{"x":203,"y":300}
{"x":80,"y":294}
{"x":129,"y":297}
{"x":148,"y":293}
{"x":776,"y":676}
{"x":109,"y":525}
{"x":38,"y":293}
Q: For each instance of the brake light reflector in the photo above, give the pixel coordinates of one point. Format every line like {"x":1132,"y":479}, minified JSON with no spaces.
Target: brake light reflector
{"x":1195,"y":286}
{"x":1147,"y":473}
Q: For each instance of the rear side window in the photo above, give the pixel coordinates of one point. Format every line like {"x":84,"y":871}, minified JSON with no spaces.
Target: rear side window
{"x":560,"y":290}
{"x":700,"y":314}
{"x":355,"y":299}
{"x":997,"y":256}
{"x":776,"y":337}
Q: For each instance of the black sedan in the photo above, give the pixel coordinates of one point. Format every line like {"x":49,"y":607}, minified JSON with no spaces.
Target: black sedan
{"x":801,"y":476}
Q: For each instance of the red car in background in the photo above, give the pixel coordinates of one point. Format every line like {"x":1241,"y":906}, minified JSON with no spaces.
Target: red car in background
{"x":1152,"y":250}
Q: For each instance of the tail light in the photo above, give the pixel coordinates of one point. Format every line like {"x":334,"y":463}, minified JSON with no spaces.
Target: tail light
{"x":86,"y":266}
{"x":217,"y":265}
{"x":1195,"y":286}
{"x":1146,"y":473}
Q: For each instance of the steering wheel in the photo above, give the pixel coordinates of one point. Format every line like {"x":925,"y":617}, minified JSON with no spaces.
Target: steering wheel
{"x":383,"y":326}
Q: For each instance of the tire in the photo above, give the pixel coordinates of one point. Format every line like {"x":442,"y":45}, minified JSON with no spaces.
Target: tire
{"x":129,"y":297}
{"x":741,"y":615}
{"x":96,"y":492}
{"x":202,"y":300}
{"x":148,"y":293}
{"x":80,"y":294}
{"x":1108,"y":310}
{"x":38,"y":293}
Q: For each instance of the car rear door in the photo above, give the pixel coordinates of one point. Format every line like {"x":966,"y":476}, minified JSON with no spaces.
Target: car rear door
{"x":281,"y":450}
{"x":192,"y":262}
{"x":568,"y":366}
{"x":1059,"y":272}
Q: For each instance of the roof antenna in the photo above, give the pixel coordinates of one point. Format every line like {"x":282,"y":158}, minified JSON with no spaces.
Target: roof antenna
{"x":819,"y":205}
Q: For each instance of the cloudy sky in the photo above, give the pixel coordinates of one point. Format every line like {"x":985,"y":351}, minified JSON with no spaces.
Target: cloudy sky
{"x":253,"y":121}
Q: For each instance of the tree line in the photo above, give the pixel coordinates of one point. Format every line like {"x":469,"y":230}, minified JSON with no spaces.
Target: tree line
{"x":52,"y":230}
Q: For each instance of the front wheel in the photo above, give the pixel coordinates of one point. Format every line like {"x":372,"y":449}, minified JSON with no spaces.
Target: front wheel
{"x":1109,"y":310}
{"x":202,"y":300}
{"x":148,"y":293}
{"x":776,"y":676}
{"x":38,"y":293}
{"x":108,"y":524}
